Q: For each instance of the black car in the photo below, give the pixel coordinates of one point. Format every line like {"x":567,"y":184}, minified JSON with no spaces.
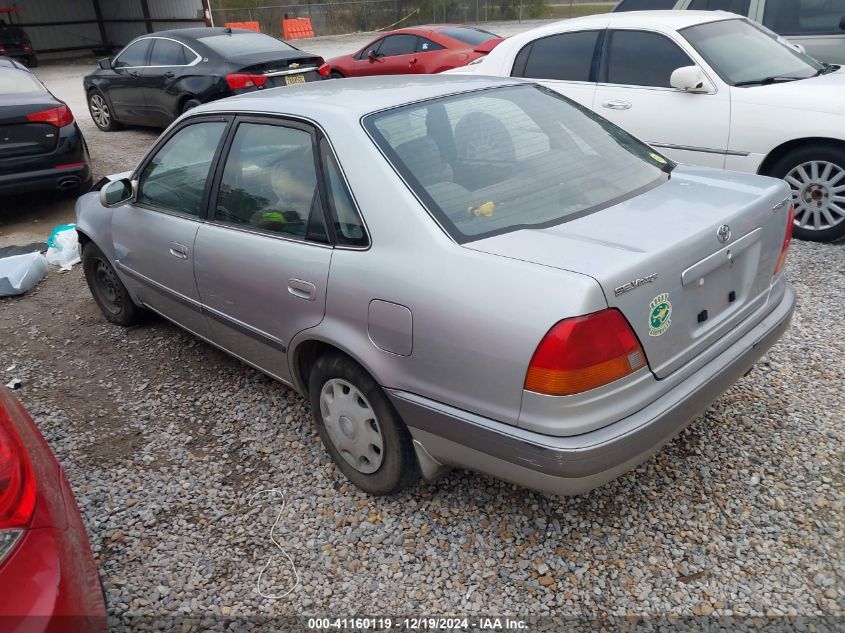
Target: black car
{"x":158,"y":77}
{"x":41,"y":147}
{"x":14,"y":43}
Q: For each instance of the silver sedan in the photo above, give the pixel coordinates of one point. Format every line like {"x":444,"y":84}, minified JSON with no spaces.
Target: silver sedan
{"x":456,"y":271}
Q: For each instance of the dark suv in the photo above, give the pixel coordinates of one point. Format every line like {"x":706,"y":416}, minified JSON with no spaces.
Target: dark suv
{"x":14,"y":42}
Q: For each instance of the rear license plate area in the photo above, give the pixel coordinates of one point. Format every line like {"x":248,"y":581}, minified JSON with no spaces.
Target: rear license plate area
{"x":295,"y":79}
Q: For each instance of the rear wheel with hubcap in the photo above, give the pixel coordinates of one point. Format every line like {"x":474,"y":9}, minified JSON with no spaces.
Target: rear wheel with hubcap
{"x":360,"y":428}
{"x":816,"y":176}
{"x":101,"y":112}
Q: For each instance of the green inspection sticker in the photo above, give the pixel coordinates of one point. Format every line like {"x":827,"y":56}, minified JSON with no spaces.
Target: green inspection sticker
{"x":660,"y":317}
{"x":657,"y":158}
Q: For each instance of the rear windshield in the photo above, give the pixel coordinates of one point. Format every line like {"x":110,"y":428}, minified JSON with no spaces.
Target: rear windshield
{"x":11,"y":33}
{"x":19,"y":82}
{"x":473,"y":37}
{"x":497,"y":160}
{"x":232,"y":45}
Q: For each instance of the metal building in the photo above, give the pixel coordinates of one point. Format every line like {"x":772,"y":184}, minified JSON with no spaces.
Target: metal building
{"x":66,"y":28}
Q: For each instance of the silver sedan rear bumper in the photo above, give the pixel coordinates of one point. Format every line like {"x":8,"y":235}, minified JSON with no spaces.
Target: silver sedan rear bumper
{"x":445,"y":436}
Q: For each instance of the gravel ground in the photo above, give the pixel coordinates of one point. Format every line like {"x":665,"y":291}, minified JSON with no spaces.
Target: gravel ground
{"x":182,"y":459}
{"x":166,"y":441}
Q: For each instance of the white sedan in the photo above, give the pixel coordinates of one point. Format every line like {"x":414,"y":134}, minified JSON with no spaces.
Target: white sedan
{"x":708,"y":88}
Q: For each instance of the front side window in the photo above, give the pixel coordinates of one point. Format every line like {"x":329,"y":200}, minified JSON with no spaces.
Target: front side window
{"x":398,"y":45}
{"x":372,"y":48}
{"x":270,"y":182}
{"x":744,"y":54}
{"x":734,"y":6}
{"x":566,"y":57}
{"x":169,"y":53}
{"x":175,"y":178}
{"x":640,"y":58}
{"x":804,"y":17}
{"x":134,"y":55}
{"x":499,"y":160}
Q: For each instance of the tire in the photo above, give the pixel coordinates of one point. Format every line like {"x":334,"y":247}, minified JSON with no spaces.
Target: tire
{"x":108,"y":291}
{"x":360,"y":412}
{"x":816,"y":175}
{"x":335,"y":74}
{"x":190,"y":104}
{"x":100,"y":111}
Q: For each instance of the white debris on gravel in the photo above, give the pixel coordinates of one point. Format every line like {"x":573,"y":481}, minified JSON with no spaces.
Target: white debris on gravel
{"x":165,"y":440}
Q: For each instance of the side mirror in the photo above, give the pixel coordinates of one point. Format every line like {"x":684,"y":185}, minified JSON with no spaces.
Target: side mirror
{"x":105,"y":64}
{"x":690,"y":79}
{"x":371,"y":56}
{"x":117,"y":192}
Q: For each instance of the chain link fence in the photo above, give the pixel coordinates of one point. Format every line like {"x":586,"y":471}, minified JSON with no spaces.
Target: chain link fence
{"x":350,"y":16}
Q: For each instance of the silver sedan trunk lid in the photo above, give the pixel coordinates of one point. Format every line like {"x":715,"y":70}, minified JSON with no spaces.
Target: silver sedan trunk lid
{"x":685,"y":262}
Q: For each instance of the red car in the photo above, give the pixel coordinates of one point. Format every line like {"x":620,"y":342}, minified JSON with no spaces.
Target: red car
{"x":420,"y":50}
{"x":48,"y":578}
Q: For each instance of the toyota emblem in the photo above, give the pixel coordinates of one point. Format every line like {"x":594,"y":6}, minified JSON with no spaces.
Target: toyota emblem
{"x":723,"y":233}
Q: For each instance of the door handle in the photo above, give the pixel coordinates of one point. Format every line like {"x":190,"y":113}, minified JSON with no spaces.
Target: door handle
{"x":616,"y":105}
{"x":170,"y":74}
{"x":302,"y":289}
{"x":412,"y":62}
{"x":178,"y":250}
{"x":134,"y":74}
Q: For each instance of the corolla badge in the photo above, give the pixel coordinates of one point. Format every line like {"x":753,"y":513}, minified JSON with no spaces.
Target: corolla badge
{"x":660,"y":317}
{"x":723,"y":233}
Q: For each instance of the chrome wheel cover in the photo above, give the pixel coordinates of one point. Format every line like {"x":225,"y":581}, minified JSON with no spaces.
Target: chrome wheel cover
{"x":818,"y":192}
{"x":99,"y":110}
{"x":352,"y":425}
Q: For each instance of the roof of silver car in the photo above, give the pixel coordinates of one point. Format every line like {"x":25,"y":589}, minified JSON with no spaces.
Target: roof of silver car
{"x":354,"y":96}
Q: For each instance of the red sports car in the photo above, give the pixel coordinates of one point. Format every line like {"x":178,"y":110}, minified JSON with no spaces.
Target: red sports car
{"x":48,"y":578}
{"x":419,"y":50}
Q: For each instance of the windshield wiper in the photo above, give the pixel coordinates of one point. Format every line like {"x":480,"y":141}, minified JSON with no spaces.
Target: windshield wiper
{"x":826,"y":69}
{"x":768,"y":80}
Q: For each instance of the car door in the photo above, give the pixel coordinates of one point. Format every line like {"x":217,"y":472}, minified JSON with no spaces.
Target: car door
{"x":125,"y":88}
{"x":154,"y":235}
{"x":634,"y":92}
{"x":396,"y":55}
{"x":262,"y":259}
{"x":565,"y":62}
{"x":169,"y":62}
{"x":428,"y":58}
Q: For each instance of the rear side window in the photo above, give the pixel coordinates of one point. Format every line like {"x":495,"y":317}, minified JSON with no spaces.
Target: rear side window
{"x":348,"y":226}
{"x":644,"y":5}
{"x":470,"y":36}
{"x":425,"y":45}
{"x":135,"y":55}
{"x":19,"y":82}
{"x":804,"y":17}
{"x":169,"y":53}
{"x":174,"y":180}
{"x":640,"y":58}
{"x":499,"y":160}
{"x":398,"y":45}
{"x":734,"y":6}
{"x":233,"y":44}
{"x":270,"y":182}
{"x":567,"y":57}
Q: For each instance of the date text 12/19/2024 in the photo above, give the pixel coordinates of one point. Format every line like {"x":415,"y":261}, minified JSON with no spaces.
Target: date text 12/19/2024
{"x":417,"y":624}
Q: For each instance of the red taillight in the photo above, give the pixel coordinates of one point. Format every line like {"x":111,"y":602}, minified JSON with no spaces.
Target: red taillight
{"x":584,"y":353}
{"x":325,"y":70}
{"x":787,"y":239}
{"x":238,"y":81}
{"x":17,"y":482}
{"x":59,"y":117}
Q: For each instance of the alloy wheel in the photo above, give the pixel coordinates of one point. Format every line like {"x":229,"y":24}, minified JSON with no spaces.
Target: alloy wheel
{"x":99,"y":110}
{"x":818,"y":192}
{"x":352,"y":425}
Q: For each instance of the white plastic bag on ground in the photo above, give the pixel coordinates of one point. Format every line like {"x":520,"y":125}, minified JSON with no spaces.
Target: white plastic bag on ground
{"x":64,"y":248}
{"x":20,"y":273}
